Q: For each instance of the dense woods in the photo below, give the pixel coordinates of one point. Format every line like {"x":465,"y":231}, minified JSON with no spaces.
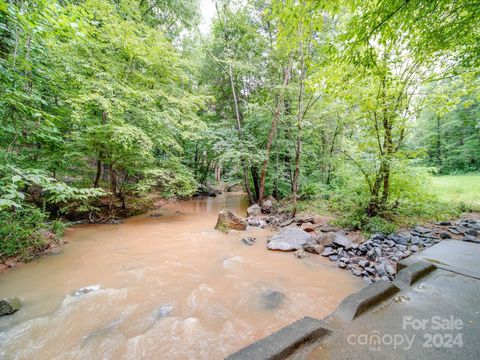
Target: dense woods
{"x":345,"y":103}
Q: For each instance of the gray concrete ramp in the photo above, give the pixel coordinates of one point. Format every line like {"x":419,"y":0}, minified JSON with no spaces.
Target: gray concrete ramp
{"x":454,"y":255}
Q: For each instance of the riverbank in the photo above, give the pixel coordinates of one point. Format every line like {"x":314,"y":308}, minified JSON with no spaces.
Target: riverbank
{"x":46,"y":237}
{"x":373,"y":258}
{"x":315,"y":220}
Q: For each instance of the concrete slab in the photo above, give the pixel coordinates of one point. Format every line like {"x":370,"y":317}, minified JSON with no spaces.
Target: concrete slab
{"x":284,"y":342}
{"x":354,"y":305}
{"x":453,"y":255}
{"x":405,"y":326}
{"x":413,"y":273}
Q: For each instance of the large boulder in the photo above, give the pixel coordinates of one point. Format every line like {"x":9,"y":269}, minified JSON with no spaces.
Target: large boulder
{"x":289,"y":239}
{"x":254,"y":210}
{"x":228,"y":220}
{"x":9,"y":305}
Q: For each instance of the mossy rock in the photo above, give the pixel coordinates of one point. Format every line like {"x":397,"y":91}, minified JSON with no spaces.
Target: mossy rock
{"x":9,"y":305}
{"x":228,"y":220}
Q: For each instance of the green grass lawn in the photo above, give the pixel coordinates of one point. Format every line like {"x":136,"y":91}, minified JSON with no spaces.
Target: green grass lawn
{"x":458,"y":189}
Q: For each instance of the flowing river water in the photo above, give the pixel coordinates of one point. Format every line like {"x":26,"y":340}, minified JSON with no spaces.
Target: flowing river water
{"x":165,"y":287}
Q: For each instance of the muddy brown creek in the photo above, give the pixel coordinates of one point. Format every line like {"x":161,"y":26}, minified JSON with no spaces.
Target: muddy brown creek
{"x":166,"y":287}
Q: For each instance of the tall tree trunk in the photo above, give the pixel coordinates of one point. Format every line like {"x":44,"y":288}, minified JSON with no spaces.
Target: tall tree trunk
{"x":99,"y":173}
{"x":195,"y":160}
{"x":439,"y":143}
{"x":332,"y":147}
{"x":218,"y":172}
{"x":298,"y":145}
{"x":389,"y":148}
{"x":229,"y":71}
{"x":373,"y":205}
{"x":113,"y":180}
{"x":271,"y":134}
{"x":239,"y":131}
{"x":100,"y":155}
{"x":256,"y":182}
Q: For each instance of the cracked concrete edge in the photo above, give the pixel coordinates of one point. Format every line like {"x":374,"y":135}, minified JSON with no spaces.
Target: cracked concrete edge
{"x":356,"y":304}
{"x":283,"y":342}
{"x":412,"y":273}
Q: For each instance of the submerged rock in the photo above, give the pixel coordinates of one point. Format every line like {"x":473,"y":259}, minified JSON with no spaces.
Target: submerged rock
{"x":86,"y":290}
{"x":289,"y":239}
{"x":163,"y":311}
{"x":228,"y":220}
{"x":231,"y":262}
{"x":301,"y":254}
{"x":9,"y":305}
{"x":356,"y":270}
{"x":272,"y":299}
{"x":249,"y":241}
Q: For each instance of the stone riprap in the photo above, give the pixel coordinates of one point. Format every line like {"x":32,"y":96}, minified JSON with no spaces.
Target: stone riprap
{"x":374,"y":259}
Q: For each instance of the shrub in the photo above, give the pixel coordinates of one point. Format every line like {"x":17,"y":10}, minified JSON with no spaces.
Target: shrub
{"x":409,"y":198}
{"x":171,"y":179}
{"x":311,"y":190}
{"x":24,"y":233}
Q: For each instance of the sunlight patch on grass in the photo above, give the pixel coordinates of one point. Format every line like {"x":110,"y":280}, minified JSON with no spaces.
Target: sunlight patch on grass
{"x":463,"y":190}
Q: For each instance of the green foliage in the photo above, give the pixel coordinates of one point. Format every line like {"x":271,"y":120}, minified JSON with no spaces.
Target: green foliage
{"x":171,"y":179}
{"x":447,"y":133}
{"x":311,"y":190}
{"x":93,"y":94}
{"x":25,"y":233}
{"x":126,"y":147}
{"x":412,"y":199}
{"x":430,"y":28}
{"x":368,"y":224}
{"x":15,"y":183}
